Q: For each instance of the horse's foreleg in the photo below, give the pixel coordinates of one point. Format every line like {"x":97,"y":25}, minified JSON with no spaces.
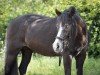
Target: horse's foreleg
{"x":67,"y":59}
{"x":10,"y":62}
{"x":26,"y":56}
{"x":79,"y":62}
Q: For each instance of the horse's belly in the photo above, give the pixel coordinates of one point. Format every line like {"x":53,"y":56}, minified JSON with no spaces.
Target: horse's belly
{"x":44,"y":50}
{"x":41,"y":47}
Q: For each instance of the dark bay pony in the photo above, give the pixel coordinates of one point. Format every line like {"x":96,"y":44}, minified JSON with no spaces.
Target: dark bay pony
{"x":37,"y":34}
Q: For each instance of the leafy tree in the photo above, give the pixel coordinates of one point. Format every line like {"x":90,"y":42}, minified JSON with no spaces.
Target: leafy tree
{"x":88,"y":9}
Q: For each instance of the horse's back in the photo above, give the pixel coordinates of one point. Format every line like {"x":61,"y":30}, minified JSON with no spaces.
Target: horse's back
{"x":17,"y":28}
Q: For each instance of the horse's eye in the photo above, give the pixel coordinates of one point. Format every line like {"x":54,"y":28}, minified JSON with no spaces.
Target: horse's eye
{"x":66,"y":25}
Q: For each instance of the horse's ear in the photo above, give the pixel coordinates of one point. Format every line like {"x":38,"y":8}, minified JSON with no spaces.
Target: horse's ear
{"x":72,"y":11}
{"x":57,"y":12}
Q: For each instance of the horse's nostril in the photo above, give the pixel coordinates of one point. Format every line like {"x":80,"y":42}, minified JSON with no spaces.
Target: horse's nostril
{"x":57,"y":45}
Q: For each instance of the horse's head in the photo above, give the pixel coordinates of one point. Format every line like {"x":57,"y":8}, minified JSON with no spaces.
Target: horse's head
{"x":66,"y":30}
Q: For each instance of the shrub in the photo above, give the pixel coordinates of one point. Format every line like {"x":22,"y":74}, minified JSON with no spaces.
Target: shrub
{"x":88,"y":9}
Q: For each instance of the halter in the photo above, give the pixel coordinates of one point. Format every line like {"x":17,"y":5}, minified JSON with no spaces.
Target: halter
{"x":62,"y":39}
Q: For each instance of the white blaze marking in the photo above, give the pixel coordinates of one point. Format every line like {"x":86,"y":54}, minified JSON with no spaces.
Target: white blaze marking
{"x":60,"y":31}
{"x":58,"y":42}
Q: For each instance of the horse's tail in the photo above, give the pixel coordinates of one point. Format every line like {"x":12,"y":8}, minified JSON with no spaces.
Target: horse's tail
{"x":15,"y":68}
{"x":11,"y":65}
{"x":11,"y":52}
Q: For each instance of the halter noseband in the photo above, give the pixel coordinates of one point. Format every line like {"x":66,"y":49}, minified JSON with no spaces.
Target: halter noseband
{"x":62,"y":39}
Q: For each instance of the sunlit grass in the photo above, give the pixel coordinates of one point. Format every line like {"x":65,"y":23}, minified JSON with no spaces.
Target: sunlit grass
{"x":45,"y":66}
{"x":92,"y":67}
{"x":50,"y":66}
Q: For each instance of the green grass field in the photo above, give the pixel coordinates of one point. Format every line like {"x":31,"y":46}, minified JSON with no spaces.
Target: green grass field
{"x":49,"y":66}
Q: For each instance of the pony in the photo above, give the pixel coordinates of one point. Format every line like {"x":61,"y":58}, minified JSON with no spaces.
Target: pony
{"x":64,"y":35}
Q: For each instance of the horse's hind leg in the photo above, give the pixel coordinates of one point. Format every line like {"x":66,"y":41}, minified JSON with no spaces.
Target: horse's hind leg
{"x":80,"y":61}
{"x":15,"y":68}
{"x":11,"y":61}
{"x":26,"y":56}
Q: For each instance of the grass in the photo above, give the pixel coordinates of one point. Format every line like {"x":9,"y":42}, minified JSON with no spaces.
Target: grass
{"x":45,"y":66}
{"x":49,"y":66}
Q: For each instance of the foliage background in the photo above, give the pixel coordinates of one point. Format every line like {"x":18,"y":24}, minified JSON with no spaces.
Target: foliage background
{"x":88,"y":9}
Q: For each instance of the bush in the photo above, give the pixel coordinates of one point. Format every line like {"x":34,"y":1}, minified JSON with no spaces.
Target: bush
{"x":89,"y":10}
